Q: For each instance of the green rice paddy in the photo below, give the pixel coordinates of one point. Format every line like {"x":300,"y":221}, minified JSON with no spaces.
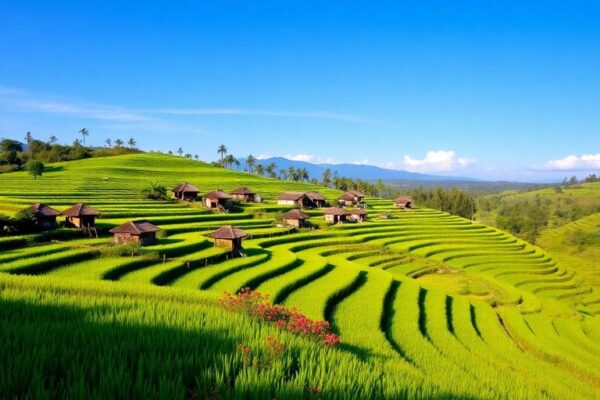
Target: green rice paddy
{"x":427,"y":305}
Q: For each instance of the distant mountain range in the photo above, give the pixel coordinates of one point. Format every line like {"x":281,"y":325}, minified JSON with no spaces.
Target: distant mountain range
{"x":356,"y":171}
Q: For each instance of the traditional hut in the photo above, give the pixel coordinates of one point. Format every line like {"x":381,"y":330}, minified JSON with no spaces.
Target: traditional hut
{"x":216,"y":199}
{"x":244,"y":194}
{"x":186,"y":191}
{"x":139,"y":232}
{"x":229,"y":237}
{"x":403,"y":202}
{"x":302,"y":199}
{"x":45,"y":217}
{"x":357,"y":215}
{"x":297,"y":199}
{"x":295,"y":218}
{"x":81,"y":216}
{"x":351,"y":198}
{"x":335,"y":215}
{"x":317,"y":199}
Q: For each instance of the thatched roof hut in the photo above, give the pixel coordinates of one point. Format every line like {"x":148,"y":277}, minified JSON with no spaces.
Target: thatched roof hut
{"x":334,"y":215}
{"x":185,"y":191}
{"x":45,"y":216}
{"x":216,"y":199}
{"x":229,"y":237}
{"x":141,"y":232}
{"x":295,"y":218}
{"x":302,"y":199}
{"x":352,"y":197}
{"x":244,"y":194}
{"x":404,"y":202}
{"x":357,"y":215}
{"x":81,"y":216}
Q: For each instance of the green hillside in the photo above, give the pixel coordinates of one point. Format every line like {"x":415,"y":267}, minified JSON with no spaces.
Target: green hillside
{"x":427,"y":305}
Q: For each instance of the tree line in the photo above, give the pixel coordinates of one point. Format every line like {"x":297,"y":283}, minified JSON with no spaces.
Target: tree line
{"x":14,"y":157}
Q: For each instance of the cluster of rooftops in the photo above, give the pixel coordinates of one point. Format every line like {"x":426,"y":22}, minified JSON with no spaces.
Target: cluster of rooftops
{"x":144,"y":233}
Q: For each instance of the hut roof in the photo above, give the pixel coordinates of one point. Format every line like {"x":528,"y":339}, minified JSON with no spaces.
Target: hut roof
{"x":135,"y":228}
{"x":357,"y":211}
{"x":217,"y":194}
{"x":315,"y":196}
{"x":42,"y":210}
{"x":403,"y":200}
{"x":335,"y":211}
{"x":81,"y":210}
{"x":294,"y":196}
{"x":228,"y":232}
{"x":185,"y":187}
{"x":295,"y":215}
{"x":243,"y":191}
{"x":351,"y":195}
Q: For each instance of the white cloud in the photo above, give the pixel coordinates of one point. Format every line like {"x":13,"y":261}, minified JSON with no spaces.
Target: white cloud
{"x":434,"y":161}
{"x":463,"y":162}
{"x":311,"y":158}
{"x":24,"y":101}
{"x":263,"y":156}
{"x":575,"y":163}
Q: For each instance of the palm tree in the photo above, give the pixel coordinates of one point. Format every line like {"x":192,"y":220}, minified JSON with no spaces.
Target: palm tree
{"x":250,"y":163}
{"x":271,"y":169}
{"x":53,"y":139}
{"x":119,"y":143}
{"x":180,"y":151}
{"x":108,"y":143}
{"x":29,"y":139}
{"x":230,"y":160}
{"x":131,"y":142}
{"x":84,"y":133}
{"x":76,"y":143}
{"x":222,"y":151}
{"x":259,"y":170}
{"x":291,"y":173}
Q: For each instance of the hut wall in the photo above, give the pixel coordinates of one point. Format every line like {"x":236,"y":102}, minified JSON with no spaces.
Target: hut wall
{"x":297,"y":223}
{"x":81,"y":222}
{"x":46,"y":222}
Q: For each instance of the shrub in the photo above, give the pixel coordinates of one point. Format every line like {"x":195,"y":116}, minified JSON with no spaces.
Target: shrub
{"x":257,"y":305}
{"x":156,"y":191}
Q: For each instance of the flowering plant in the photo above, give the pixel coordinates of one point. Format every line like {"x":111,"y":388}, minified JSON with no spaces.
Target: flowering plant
{"x":258,"y":306}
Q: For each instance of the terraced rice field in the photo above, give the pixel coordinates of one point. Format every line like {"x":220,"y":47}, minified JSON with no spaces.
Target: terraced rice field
{"x":427,"y":304}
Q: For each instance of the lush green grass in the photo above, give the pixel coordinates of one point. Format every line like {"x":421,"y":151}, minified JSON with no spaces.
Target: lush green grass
{"x":428,"y":305}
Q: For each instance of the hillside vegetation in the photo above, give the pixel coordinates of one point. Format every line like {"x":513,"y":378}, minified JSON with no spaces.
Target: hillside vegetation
{"x":427,"y":305}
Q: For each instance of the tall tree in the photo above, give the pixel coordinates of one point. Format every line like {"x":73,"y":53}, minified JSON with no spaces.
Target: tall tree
{"x":222,"y":150}
{"x":326,"y":177}
{"x":271,"y":170}
{"x":84,"y":133}
{"x":53,"y":139}
{"x":28,"y":140}
{"x":180,"y":151}
{"x":196,"y":157}
{"x":250,"y":163}
{"x":119,"y":143}
{"x":131,"y":142}
{"x":108,"y":143}
{"x":35,"y":168}
{"x":259,"y":170}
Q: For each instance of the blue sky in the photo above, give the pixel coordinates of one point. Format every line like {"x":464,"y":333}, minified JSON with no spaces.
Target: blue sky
{"x":492,"y":89}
